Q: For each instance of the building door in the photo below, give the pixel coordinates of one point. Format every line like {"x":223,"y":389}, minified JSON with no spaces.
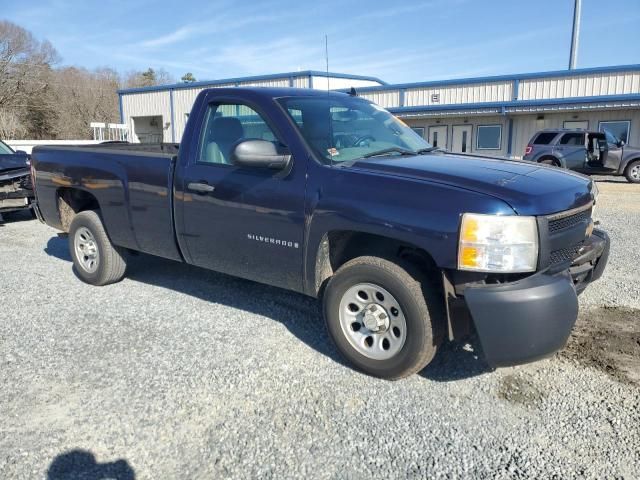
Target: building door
{"x":148,"y":129}
{"x":438,"y":136}
{"x":461,"y":139}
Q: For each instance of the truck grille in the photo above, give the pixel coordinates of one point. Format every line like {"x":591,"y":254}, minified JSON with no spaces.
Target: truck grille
{"x":567,"y":234}
{"x":560,"y":223}
{"x":564,"y":254}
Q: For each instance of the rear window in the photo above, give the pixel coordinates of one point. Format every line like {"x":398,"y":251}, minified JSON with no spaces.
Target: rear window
{"x":572,"y":139}
{"x":544,"y":138}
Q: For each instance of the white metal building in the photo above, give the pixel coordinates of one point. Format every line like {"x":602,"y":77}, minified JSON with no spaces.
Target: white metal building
{"x":489,"y":115}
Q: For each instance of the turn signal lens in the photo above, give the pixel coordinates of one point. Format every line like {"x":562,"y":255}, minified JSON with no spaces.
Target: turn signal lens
{"x":469,"y":256}
{"x":495,"y":243}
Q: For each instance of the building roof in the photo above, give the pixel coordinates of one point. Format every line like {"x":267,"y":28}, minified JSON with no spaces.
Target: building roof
{"x":257,"y":78}
{"x":278,"y":92}
{"x":501,"y":78}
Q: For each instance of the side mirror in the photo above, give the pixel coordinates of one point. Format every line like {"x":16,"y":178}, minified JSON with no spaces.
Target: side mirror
{"x":22,"y":152}
{"x":620,"y":143}
{"x":259,"y":153}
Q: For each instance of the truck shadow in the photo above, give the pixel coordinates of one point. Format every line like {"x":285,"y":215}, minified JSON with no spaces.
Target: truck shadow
{"x":82,"y":465}
{"x":15,"y":217}
{"x":300,"y":314}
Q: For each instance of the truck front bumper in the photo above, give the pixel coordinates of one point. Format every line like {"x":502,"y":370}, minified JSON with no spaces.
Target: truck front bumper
{"x":532,"y":318}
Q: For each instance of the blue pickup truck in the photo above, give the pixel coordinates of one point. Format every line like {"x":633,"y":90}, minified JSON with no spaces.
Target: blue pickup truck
{"x":330,"y":195}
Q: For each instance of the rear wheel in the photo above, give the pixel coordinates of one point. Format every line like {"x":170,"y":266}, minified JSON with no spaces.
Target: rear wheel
{"x":383,"y":319}
{"x":632,"y":172}
{"x":96,"y":260}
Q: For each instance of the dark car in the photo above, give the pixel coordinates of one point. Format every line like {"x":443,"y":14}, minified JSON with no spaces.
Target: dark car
{"x":330,"y":195}
{"x":585,"y":151}
{"x":16,"y":190}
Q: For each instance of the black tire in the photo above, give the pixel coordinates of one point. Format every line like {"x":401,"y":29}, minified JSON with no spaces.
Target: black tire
{"x":632,"y":172}
{"x":420,"y":301}
{"x":111,"y":263}
{"x":549,"y":161}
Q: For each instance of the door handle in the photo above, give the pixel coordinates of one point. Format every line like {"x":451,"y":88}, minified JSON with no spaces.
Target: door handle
{"x":200,"y":187}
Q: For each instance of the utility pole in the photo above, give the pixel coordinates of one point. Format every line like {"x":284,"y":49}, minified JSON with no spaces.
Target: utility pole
{"x":575,"y":35}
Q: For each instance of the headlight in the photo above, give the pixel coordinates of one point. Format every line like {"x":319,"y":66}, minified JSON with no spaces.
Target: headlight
{"x":494,"y":243}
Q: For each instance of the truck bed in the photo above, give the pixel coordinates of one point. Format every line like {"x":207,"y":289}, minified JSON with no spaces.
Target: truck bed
{"x":131,"y":182}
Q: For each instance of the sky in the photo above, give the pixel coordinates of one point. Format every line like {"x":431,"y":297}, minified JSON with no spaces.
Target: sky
{"x":397,"y":41}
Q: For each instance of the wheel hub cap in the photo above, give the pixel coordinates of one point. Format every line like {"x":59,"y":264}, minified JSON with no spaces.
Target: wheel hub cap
{"x":86,"y":250}
{"x":372,"y":321}
{"x":375,"y":318}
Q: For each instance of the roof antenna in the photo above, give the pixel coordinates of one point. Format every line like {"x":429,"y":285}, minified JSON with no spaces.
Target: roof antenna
{"x":353,"y":92}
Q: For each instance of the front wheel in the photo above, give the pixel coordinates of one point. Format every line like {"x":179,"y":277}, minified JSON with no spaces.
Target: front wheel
{"x":632,"y":172}
{"x":383,"y":319}
{"x":96,"y":260}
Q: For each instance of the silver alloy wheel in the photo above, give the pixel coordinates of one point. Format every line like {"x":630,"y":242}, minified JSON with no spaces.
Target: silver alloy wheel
{"x":635,"y":172}
{"x":86,"y":249}
{"x":372,"y":321}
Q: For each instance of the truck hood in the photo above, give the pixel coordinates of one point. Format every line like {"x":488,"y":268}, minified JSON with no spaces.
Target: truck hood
{"x":631,"y":148}
{"x":530,"y":189}
{"x":13,"y":174}
{"x":12,"y":162}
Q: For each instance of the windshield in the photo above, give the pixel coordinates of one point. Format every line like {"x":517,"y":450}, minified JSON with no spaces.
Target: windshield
{"x":5,"y":149}
{"x":341,"y":129}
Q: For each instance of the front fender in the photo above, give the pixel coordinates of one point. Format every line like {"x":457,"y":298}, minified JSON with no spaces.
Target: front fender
{"x":420,"y":213}
{"x":627,"y":160}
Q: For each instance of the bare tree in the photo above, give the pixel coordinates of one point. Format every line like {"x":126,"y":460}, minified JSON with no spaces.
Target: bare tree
{"x":82,"y":97}
{"x":147,"y":78}
{"x":25,"y":63}
{"x":10,"y":125}
{"x":40,"y":101}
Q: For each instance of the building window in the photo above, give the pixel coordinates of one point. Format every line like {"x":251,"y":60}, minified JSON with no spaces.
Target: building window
{"x":488,"y":137}
{"x":419,"y":131}
{"x":619,"y":129}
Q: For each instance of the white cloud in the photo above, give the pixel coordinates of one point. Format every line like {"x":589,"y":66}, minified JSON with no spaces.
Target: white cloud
{"x":221,"y":23}
{"x":284,"y":54}
{"x":411,"y":8}
{"x":180,"y":34}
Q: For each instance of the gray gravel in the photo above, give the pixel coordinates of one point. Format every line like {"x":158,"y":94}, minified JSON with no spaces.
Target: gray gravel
{"x":177,"y":372}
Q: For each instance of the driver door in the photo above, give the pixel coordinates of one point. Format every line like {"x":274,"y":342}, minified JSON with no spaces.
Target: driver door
{"x":572,"y":149}
{"x":614,"y":152}
{"x":244,"y":221}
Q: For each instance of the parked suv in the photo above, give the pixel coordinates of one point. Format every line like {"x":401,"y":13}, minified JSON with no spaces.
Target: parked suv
{"x":585,"y":151}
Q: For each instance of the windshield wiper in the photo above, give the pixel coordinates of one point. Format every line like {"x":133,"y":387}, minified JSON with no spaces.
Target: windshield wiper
{"x":386,"y":151}
{"x":430,"y":149}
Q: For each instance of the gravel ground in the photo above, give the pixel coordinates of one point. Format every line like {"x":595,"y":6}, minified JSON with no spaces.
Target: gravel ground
{"x":177,"y":372}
